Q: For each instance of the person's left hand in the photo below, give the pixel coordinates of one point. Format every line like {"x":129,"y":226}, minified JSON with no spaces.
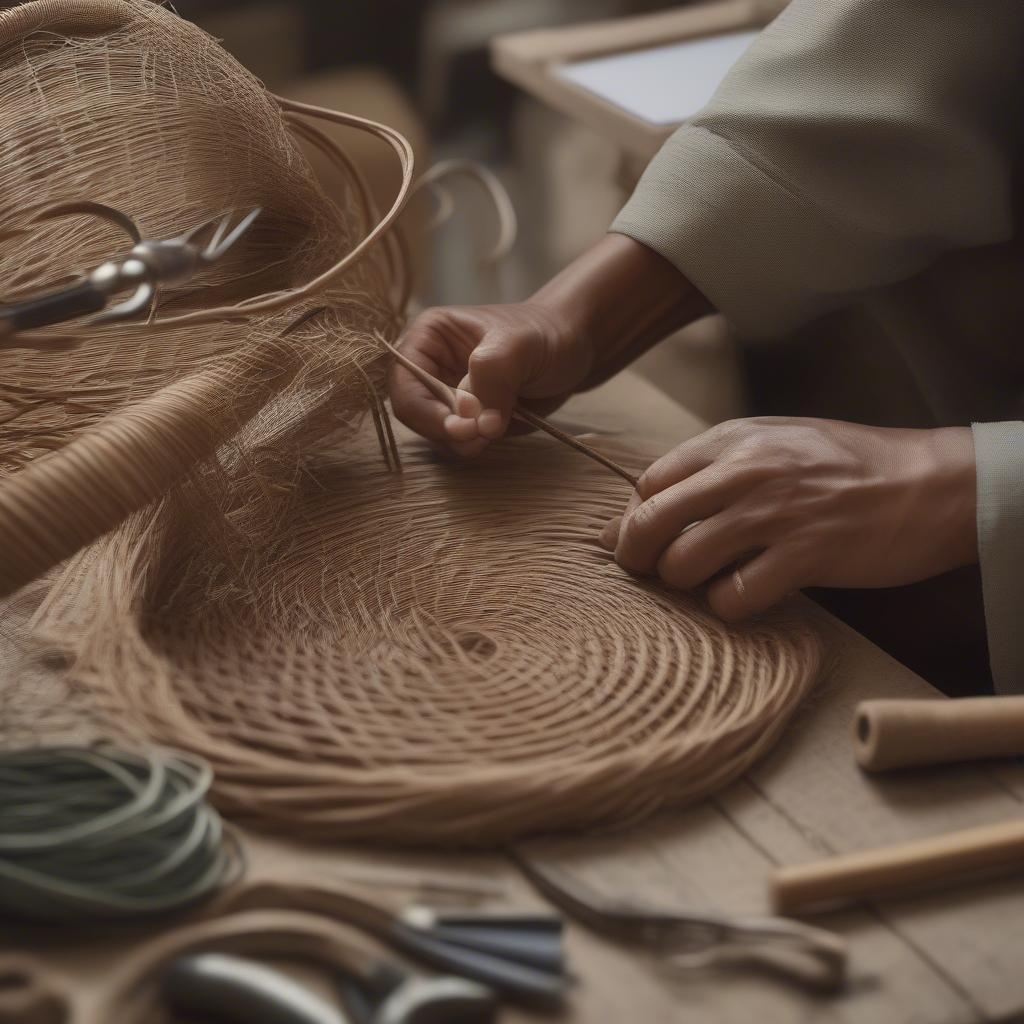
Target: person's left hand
{"x":762,"y":507}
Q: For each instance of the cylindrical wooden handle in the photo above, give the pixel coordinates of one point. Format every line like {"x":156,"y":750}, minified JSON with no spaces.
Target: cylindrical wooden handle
{"x":899,"y":733}
{"x":907,"y":867}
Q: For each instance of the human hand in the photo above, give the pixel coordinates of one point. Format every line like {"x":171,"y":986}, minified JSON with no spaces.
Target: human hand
{"x":604,"y":309}
{"x":759,"y":508}
{"x":494,"y":356}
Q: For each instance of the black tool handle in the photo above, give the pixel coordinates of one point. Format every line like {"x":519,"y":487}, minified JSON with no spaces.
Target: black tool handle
{"x":533,"y":923}
{"x":53,"y":308}
{"x":521,"y":982}
{"x":542,"y":949}
{"x":238,"y":991}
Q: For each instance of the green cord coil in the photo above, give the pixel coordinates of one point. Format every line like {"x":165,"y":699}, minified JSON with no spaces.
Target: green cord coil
{"x":101,"y":832}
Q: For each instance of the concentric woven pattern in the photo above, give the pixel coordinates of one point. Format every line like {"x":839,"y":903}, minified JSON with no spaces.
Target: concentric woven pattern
{"x":442,"y":656}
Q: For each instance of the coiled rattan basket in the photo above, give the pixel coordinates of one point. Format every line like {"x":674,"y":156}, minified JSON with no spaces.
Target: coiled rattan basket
{"x":441,"y":656}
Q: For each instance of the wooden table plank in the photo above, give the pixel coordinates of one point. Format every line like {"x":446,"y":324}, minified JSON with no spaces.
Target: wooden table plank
{"x":973,"y":933}
{"x":719,"y":854}
{"x":699,"y":860}
{"x":530,"y":60}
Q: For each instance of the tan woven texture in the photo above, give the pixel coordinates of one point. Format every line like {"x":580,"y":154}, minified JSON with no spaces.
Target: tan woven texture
{"x":442,"y":655}
{"x":143,"y":111}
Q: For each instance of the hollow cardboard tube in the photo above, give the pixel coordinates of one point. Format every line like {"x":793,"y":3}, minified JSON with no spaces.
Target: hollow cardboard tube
{"x":900,"y":733}
{"x":915,"y":866}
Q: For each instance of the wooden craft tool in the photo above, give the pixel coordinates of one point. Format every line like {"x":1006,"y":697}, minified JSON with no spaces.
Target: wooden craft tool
{"x":911,"y":867}
{"x":900,"y":733}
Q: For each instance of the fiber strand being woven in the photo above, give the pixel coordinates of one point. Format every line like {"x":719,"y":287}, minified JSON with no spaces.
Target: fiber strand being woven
{"x":442,"y":655}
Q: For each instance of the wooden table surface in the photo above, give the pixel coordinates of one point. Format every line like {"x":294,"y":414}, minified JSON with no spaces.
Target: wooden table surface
{"x":951,"y":958}
{"x":530,"y":60}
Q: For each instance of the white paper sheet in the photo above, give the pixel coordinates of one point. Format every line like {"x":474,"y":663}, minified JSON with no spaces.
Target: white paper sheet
{"x":666,"y":84}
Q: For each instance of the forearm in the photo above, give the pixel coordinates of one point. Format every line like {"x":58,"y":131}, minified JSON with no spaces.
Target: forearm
{"x":622,"y":298}
{"x":850,"y":147}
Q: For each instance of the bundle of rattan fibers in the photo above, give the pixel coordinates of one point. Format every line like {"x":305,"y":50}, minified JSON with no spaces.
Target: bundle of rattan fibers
{"x":122,"y":102}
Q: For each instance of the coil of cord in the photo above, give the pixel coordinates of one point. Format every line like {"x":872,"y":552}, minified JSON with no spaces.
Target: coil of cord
{"x":101,"y":832}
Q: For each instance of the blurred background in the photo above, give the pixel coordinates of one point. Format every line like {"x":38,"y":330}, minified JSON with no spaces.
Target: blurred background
{"x":423,"y":66}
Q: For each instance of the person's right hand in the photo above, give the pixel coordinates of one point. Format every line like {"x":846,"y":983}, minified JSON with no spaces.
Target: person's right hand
{"x":495,"y":356}
{"x":610,"y":304}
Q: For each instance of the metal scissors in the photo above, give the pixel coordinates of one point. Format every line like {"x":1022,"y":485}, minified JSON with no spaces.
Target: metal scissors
{"x":148,"y":265}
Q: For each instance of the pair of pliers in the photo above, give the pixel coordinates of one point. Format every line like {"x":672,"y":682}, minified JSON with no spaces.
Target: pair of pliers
{"x":810,"y":956}
{"x":148,"y":265}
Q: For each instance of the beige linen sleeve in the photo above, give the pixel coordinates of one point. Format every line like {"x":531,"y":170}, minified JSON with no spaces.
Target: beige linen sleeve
{"x":999,"y":454}
{"x":852,"y":145}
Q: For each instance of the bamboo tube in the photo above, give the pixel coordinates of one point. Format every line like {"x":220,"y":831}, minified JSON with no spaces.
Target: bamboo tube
{"x":915,"y":866}
{"x":899,"y":733}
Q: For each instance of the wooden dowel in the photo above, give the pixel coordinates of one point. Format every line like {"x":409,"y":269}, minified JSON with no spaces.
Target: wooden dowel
{"x":907,"y":867}
{"x":899,"y":733}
